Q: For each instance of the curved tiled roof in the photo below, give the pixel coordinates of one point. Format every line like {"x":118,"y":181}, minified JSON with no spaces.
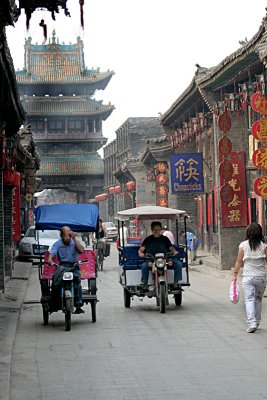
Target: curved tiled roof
{"x":60,"y":76}
{"x":71,"y":166}
{"x":64,"y":105}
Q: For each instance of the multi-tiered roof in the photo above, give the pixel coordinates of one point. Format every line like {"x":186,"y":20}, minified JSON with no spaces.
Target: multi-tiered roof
{"x":55,"y":83}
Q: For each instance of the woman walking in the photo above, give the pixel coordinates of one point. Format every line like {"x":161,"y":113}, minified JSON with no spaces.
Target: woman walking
{"x":252,"y":255}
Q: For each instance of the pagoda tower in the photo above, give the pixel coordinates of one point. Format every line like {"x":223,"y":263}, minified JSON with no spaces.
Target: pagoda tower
{"x":57,"y":94}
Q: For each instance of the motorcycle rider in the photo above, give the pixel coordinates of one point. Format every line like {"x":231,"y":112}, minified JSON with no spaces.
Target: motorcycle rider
{"x":157,"y":243}
{"x":66,"y":249}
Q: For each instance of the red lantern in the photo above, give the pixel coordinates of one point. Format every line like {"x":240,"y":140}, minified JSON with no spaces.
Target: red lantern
{"x":225,"y":146}
{"x":259,"y":103}
{"x":161,"y":166}
{"x":260,"y":186}
{"x":162,"y":203}
{"x":101,"y":197}
{"x":162,"y":190}
{"x":117,"y":189}
{"x":162,"y":178}
{"x":224,"y":122}
{"x":226,"y":193}
{"x":131,"y":185}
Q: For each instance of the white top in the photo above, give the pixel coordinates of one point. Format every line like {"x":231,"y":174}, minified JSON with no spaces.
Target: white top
{"x":253,"y":260}
{"x":169,"y":236}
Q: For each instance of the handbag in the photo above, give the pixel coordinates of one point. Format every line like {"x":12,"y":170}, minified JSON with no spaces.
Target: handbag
{"x":234,"y":292}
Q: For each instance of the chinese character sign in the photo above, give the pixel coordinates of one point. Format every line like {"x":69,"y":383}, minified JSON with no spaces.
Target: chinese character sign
{"x":162,"y":183}
{"x":234,"y":213}
{"x":187,"y":173}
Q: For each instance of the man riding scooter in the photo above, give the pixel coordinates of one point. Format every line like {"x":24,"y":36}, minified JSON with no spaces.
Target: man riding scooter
{"x":66,"y":249}
{"x":157,"y":243}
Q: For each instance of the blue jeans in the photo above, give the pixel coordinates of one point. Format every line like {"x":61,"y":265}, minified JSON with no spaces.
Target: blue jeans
{"x":177,"y":266}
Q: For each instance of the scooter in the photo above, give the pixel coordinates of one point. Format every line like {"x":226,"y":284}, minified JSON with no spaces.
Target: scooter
{"x":67,"y":294}
{"x":159,"y":264}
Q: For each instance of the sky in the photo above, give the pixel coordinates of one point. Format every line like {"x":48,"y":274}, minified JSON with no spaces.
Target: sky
{"x":151,"y":45}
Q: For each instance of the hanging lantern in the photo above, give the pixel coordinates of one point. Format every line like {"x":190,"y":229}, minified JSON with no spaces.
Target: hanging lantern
{"x":101,"y":197}
{"x":117,"y":189}
{"x":162,"y":178}
{"x":131,"y":185}
{"x":161,"y":166}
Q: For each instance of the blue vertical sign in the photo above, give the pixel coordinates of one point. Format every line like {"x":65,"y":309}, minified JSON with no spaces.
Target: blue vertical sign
{"x":187,"y":173}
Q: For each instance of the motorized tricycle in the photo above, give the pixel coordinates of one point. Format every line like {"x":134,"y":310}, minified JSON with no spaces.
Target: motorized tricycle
{"x":61,"y":295}
{"x":161,"y":274}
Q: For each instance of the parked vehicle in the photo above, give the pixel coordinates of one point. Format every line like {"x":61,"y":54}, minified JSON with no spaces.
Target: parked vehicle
{"x":80,"y":218}
{"x":161,"y":275}
{"x":35,"y":240}
{"x":111,"y":230}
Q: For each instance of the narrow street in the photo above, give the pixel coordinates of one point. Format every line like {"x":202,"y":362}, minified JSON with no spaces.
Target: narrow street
{"x":199,"y":351}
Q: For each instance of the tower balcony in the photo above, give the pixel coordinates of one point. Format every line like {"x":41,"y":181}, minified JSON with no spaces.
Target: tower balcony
{"x":57,"y":136}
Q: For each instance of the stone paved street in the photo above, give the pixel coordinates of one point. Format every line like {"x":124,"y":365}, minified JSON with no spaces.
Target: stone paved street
{"x":199,"y":351}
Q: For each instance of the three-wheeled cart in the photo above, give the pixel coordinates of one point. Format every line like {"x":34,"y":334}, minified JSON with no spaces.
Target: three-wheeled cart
{"x":131,"y":264}
{"x":79,"y":218}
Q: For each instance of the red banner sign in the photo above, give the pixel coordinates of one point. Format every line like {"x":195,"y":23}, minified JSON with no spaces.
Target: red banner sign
{"x":16,"y":214}
{"x":234,"y":213}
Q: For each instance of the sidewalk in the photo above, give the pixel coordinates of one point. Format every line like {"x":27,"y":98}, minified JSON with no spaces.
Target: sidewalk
{"x":10,"y":306}
{"x":209,"y":264}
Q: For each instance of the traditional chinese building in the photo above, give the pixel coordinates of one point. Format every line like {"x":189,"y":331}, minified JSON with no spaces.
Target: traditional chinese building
{"x":125,"y":176}
{"x":57,"y":92}
{"x":222,"y":116}
{"x":19,"y":160}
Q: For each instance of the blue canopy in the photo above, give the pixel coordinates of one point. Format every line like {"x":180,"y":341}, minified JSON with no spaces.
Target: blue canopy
{"x":79,"y":217}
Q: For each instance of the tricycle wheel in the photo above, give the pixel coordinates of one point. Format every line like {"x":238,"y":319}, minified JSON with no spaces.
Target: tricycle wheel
{"x":127,"y":298}
{"x":92,"y":286}
{"x":93,"y":310}
{"x":68,"y":315}
{"x":45,"y":315}
{"x":178,"y":298}
{"x":162,"y":298}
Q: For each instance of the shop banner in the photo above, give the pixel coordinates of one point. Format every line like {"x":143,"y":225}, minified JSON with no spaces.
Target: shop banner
{"x":234,"y":213}
{"x":16,"y":214}
{"x":187,"y":173}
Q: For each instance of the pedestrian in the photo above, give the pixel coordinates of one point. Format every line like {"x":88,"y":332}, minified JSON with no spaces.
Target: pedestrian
{"x":252,"y":254}
{"x":192,"y":244}
{"x":166,"y":232}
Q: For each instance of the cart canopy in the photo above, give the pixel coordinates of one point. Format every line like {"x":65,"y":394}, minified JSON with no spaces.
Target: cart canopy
{"x":79,"y":217}
{"x":150,"y":212}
